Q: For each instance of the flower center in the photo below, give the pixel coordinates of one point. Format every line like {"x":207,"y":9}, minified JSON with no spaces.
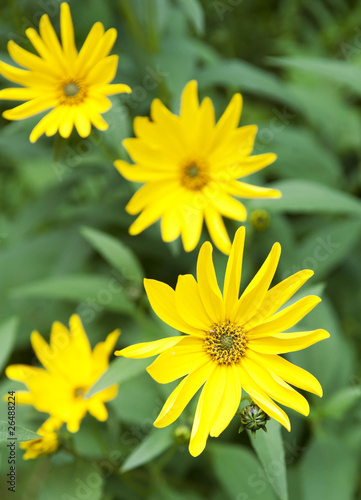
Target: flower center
{"x":225,"y":343}
{"x":79,"y":392}
{"x":72,"y":92}
{"x":194,"y":175}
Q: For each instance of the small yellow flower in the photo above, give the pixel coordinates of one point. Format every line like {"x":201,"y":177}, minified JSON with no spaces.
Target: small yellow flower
{"x":73,"y":85}
{"x":45,"y":445}
{"x":190,"y":165}
{"x":232,"y":343}
{"x":71,"y":368}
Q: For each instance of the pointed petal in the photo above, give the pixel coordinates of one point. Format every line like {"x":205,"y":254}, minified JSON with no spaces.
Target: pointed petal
{"x":217,"y":230}
{"x":207,"y":284}
{"x":147,"y":349}
{"x":182,"y":394}
{"x":232,"y":278}
{"x":230,"y":401}
{"x":189,"y":304}
{"x":67,"y":34}
{"x":286,"y":342}
{"x":248,"y":191}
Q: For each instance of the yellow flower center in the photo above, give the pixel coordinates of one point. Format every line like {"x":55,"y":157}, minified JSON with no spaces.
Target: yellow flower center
{"x":194,"y":175}
{"x":79,"y":392}
{"x":72,"y":92}
{"x":225,"y":343}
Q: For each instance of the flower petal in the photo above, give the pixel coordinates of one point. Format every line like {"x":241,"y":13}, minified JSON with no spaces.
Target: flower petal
{"x":207,"y":284}
{"x":217,"y":230}
{"x":233,"y":274}
{"x":67,"y":34}
{"x":230,"y":401}
{"x":189,"y":304}
{"x":147,"y":349}
{"x":286,"y":342}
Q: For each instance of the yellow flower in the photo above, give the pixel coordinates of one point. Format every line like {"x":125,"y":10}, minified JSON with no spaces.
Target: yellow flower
{"x":71,"y":368}
{"x":232,"y":343}
{"x":46,"y":444}
{"x":190,"y":165}
{"x":74,"y":86}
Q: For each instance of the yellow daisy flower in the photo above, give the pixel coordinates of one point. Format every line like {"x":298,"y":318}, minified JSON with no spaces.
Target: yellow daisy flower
{"x":71,"y":368}
{"x":73,"y":85}
{"x":45,"y":445}
{"x":190,"y":165}
{"x":232,"y":343}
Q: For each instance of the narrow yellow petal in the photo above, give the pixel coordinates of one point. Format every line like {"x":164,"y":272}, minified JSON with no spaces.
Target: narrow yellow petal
{"x":48,"y":46}
{"x":163,"y":302}
{"x":189,"y":304}
{"x":171,"y":224}
{"x":189,"y":102}
{"x":178,"y":361}
{"x":275,"y":387}
{"x":207,"y":284}
{"x":287,"y":371}
{"x":248,"y":191}
{"x":225,"y":204}
{"x":278,"y":295}
{"x":115,"y":88}
{"x":24,"y":398}
{"x":286,"y":318}
{"x":182,"y":394}
{"x":147,"y":349}
{"x":251,"y":299}
{"x":209,"y":400}
{"x":79,"y":339}
{"x":229,"y":403}
{"x":260,"y":397}
{"x":27,"y":59}
{"x":217,"y":230}
{"x":233,"y":274}
{"x":286,"y":342}
{"x":104,"y":71}
{"x":82,"y":122}
{"x":191,"y":229}
{"x":230,"y":118}
{"x":67,"y":34}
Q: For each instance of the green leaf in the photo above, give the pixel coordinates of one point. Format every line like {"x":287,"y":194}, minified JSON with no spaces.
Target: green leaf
{"x":343,"y":72}
{"x":239,"y":472}
{"x":194,"y":13}
{"x":21,"y":434}
{"x":73,"y":481}
{"x":328,"y":470}
{"x":117,"y":254}
{"x":120,"y":370}
{"x":95,"y":293}
{"x":247,"y":77}
{"x":156,"y":443}
{"x":269,"y":448}
{"x":299,"y":196}
{"x":340,"y":403}
{"x":8,"y":331}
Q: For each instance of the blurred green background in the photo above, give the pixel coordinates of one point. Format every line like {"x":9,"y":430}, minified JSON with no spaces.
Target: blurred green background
{"x":298,"y":66}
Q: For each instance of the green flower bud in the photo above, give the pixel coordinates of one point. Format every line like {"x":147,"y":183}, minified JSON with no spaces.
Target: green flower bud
{"x":182,"y":434}
{"x":253,"y":419}
{"x":260,"y":219}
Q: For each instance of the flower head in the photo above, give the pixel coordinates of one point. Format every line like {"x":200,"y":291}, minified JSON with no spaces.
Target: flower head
{"x":46,"y":444}
{"x":231,"y":343}
{"x":190,"y":165}
{"x":72,"y":85}
{"x":70,"y":369}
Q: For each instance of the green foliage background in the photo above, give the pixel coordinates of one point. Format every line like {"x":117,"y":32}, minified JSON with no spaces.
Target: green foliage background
{"x":64,"y":242}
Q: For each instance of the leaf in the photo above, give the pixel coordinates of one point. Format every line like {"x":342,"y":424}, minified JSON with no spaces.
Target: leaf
{"x":328,"y":470}
{"x":269,"y":448}
{"x":73,"y":481}
{"x":239,"y":472}
{"x":194,"y":13}
{"x":117,"y":254}
{"x":21,"y":434}
{"x":340,"y":403}
{"x":345,"y":73}
{"x":156,"y":443}
{"x":95,"y":293}
{"x":245,"y":76}
{"x":299,"y":196}
{"x":8,"y":331}
{"x":120,"y":370}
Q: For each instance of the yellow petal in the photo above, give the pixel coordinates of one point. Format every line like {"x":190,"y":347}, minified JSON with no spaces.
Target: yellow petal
{"x":42,"y":350}
{"x":82,"y":122}
{"x":178,"y":361}
{"x":48,"y":45}
{"x":102,"y":351}
{"x":232,"y":278}
{"x":98,"y":410}
{"x":191,"y":228}
{"x":207,"y":407}
{"x":217,"y":230}
{"x":147,"y":349}
{"x":207,"y":284}
{"x":137,"y":173}
{"x":67,"y":124}
{"x":260,"y":397}
{"x":225,"y":204}
{"x":277,"y":296}
{"x":189,"y":103}
{"x":24,"y":398}
{"x":115,"y":88}
{"x":79,"y":339}
{"x":27,"y":59}
{"x":230,"y":401}
{"x":20,"y":94}
{"x":104,"y":71}
{"x":30,"y":108}
{"x":287,"y":371}
{"x":189,"y":304}
{"x":182,"y":394}
{"x":171,"y":224}
{"x":248,"y":191}
{"x":249,"y":303}
{"x":230,"y":118}
{"x":67,"y":34}
{"x":286,"y":318}
{"x":162,"y":299}
{"x":287,"y":342}
{"x":253,"y":164}
{"x":275,"y":387}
